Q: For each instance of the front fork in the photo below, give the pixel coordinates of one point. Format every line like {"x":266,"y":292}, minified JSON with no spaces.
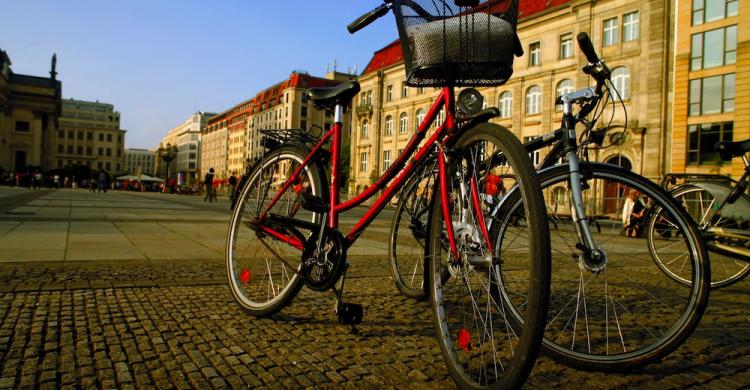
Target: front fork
{"x":593,"y":259}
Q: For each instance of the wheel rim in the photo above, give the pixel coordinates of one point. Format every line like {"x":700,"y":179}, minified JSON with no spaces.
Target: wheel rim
{"x":263,"y":270}
{"x":628,"y":313}
{"x":698,"y":202}
{"x":481,"y":345}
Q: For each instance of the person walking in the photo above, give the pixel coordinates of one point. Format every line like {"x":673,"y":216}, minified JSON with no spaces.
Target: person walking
{"x":208,"y":182}
{"x":232,"y":185}
{"x":102,"y":182}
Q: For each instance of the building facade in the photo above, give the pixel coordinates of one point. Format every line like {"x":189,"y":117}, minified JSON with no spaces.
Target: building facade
{"x":187,"y":138}
{"x":232,"y":139}
{"x":632,"y":36}
{"x":29,"y":110}
{"x":140,"y":161}
{"x":89,"y":134}
{"x":712,"y":84}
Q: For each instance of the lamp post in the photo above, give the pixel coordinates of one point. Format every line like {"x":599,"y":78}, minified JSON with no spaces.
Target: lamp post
{"x":167,"y":153}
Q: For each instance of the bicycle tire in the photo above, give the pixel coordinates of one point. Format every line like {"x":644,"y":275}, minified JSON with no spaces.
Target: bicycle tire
{"x":725,"y":270}
{"x":462,"y":345}
{"x":577,"y":314}
{"x":248,"y":251}
{"x":406,"y":244}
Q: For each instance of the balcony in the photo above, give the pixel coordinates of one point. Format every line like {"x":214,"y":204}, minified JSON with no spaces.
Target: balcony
{"x":364,"y":109}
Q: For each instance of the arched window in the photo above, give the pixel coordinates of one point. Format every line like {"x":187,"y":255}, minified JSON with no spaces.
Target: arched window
{"x":420,"y":117}
{"x":365,"y":134}
{"x":388,"y":125}
{"x":563,"y":87}
{"x":403,"y":122}
{"x":505,"y":103}
{"x":621,"y":81}
{"x":533,"y":100}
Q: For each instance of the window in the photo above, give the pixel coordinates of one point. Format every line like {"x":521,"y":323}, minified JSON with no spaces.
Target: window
{"x":705,"y":11}
{"x":109,"y":165}
{"x":533,"y":155}
{"x":365,"y":133}
{"x":420,"y":117}
{"x":79,"y":150}
{"x":611,"y":36}
{"x":389,"y":93}
{"x":80,"y":135}
{"x":59,"y":148}
{"x":88,"y":150}
{"x":70,"y":149}
{"x":712,"y":95}
{"x":60,"y":134}
{"x":90,"y":136}
{"x":404,"y":90}
{"x":621,"y":81}
{"x":109,"y":151}
{"x":363,"y":162}
{"x":109,"y":137}
{"x":566,"y":46}
{"x":702,"y":139}
{"x":23,"y":126}
{"x":533,"y":100}
{"x":630,"y":27}
{"x":388,"y":125}
{"x":101,"y":136}
{"x":563,"y":87}
{"x":505,"y":103}
{"x":535,"y":54}
{"x":101,"y":151}
{"x":386,"y":159}
{"x":714,"y":48}
{"x":403,"y":122}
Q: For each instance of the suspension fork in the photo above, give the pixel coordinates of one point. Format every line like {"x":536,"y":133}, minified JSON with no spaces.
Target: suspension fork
{"x":574,"y":181}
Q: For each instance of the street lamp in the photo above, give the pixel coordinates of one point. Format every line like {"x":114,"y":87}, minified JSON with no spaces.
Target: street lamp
{"x":167,"y":153}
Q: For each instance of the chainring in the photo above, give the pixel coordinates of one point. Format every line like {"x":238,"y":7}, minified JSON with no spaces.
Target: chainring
{"x":322,"y":269}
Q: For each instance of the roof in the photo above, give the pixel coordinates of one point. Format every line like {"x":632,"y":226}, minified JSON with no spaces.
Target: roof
{"x":392,"y":54}
{"x":272,"y":94}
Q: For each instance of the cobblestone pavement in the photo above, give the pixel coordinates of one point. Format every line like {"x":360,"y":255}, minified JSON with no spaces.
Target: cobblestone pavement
{"x":173,"y":324}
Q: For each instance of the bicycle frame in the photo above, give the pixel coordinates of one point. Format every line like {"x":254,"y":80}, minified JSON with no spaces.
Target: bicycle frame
{"x":444,"y":134}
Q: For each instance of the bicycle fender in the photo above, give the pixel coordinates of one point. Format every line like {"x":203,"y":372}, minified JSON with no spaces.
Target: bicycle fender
{"x":739,"y":210}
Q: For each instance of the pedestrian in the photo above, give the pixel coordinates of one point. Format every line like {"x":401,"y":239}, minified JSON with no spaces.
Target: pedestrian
{"x":633,"y":212}
{"x":56,"y":180}
{"x":37,"y":180}
{"x":102,"y":182}
{"x":208,"y":183}
{"x":232,"y":185}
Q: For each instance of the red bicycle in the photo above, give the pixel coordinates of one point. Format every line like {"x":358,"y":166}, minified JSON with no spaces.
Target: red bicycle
{"x":284,"y":232}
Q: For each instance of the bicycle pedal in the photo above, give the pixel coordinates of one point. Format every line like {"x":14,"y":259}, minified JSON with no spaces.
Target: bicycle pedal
{"x":351,"y":313}
{"x":313,"y":203}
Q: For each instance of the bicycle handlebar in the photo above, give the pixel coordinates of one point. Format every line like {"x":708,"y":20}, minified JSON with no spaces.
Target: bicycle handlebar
{"x":364,"y":20}
{"x":584,"y":43}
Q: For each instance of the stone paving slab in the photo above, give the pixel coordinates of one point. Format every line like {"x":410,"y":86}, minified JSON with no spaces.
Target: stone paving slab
{"x":93,"y":294}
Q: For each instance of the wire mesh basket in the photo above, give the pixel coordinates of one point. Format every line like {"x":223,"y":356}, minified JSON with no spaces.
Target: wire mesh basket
{"x":449,"y":44}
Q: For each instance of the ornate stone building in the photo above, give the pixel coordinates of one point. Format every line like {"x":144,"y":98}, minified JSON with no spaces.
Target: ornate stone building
{"x":29,"y":109}
{"x":632,"y":36}
{"x":140,"y":160}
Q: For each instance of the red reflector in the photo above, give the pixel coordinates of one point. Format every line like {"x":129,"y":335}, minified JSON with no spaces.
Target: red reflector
{"x":245,"y":276}
{"x":493,"y":184}
{"x":464,"y":339}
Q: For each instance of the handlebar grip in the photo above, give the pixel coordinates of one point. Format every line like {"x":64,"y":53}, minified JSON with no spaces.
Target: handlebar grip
{"x":364,"y":20}
{"x":584,"y":43}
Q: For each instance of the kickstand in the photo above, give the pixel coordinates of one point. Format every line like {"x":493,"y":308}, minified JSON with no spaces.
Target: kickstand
{"x":348,"y":313}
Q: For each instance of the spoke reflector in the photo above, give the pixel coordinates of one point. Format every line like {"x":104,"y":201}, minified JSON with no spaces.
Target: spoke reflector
{"x":464,"y":339}
{"x":245,"y":276}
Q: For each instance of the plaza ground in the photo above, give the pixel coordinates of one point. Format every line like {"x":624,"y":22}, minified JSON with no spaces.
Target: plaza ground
{"x":129,"y":290}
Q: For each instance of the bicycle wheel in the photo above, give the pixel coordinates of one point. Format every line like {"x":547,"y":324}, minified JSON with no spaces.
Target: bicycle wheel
{"x":262,"y":270}
{"x":480,"y":347}
{"x":626,"y":314}
{"x":725,"y":269}
{"x":409,"y":232}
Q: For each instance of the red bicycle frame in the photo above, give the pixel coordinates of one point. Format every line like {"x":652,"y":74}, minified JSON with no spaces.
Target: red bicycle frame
{"x":444,"y":133}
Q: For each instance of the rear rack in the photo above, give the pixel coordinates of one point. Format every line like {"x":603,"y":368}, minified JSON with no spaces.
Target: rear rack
{"x":275,"y":137}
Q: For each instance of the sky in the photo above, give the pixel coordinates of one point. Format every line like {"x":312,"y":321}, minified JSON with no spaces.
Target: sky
{"x":159,"y":61}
